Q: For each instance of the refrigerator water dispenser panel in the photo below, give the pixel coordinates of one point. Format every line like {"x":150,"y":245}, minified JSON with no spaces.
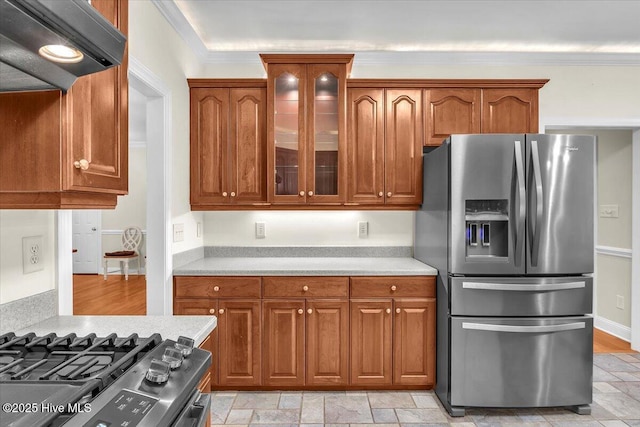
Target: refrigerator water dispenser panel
{"x":487,"y":226}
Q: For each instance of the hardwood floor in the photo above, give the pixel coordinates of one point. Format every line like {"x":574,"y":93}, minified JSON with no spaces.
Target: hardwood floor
{"x":94,"y":295}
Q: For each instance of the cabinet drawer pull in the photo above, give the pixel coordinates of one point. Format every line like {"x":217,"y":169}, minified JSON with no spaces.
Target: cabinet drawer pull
{"x":233,"y":194}
{"x":216,"y":288}
{"x":389,"y":194}
{"x":310,"y":310}
{"x":82,"y":164}
{"x":221,"y":311}
{"x":300,"y":311}
{"x":380,"y":194}
{"x":224,"y":194}
{"x":393,"y":288}
{"x":310,"y":193}
{"x":398,"y":310}
{"x":212,"y":311}
{"x":301,"y":193}
{"x":388,"y":310}
{"x":305,"y":288}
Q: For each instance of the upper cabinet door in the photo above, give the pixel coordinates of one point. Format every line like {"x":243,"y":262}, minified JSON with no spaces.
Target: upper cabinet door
{"x":450,"y":111}
{"x":509,"y":110}
{"x":247,"y":139}
{"x":286,"y":133}
{"x":97,"y":120}
{"x":403,"y":146}
{"x":366,"y":146}
{"x":209,"y":146}
{"x":326,"y":129}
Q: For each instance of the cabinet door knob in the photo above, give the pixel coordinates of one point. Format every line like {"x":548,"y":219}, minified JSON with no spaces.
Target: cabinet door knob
{"x":389,"y":194}
{"x":233,"y":194}
{"x":393,"y":288}
{"x":398,"y":310}
{"x":224,"y":194}
{"x":300,"y":311}
{"x":310,"y":310}
{"x":212,"y":311}
{"x":82,"y":164}
{"x":302,"y":193}
{"x":305,"y":288}
{"x":310,"y":193}
{"x":216,"y":288}
{"x":388,"y":310}
{"x":221,"y":311}
{"x":380,"y":194}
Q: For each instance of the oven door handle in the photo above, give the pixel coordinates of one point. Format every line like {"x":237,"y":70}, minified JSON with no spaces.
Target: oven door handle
{"x":524,"y":329}
{"x":520,"y":287}
{"x":196,"y":412}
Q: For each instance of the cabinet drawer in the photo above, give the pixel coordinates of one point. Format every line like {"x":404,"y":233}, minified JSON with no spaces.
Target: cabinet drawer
{"x":217,"y":287}
{"x":395,"y":286}
{"x":306,"y":287}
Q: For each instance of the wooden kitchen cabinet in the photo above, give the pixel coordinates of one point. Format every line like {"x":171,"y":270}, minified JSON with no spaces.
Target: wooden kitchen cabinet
{"x":450,"y":111}
{"x":385,"y":146}
{"x":510,"y":110}
{"x":228,"y":136}
{"x":69,"y":150}
{"x":306,"y":128}
{"x":236,"y":341}
{"x":306,"y":333}
{"x":393,"y":331}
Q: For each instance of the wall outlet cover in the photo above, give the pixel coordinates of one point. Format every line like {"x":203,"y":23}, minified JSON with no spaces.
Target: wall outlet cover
{"x":261,"y":230}
{"x":609,"y":211}
{"x":32,"y":254}
{"x":363,"y":229}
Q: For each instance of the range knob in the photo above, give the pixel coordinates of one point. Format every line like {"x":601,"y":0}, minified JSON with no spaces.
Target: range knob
{"x":173,"y":357}
{"x":185,"y":345}
{"x":158,"y":372}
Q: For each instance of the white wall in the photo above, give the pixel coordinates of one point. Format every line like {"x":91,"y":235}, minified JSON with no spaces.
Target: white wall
{"x":14,"y":225}
{"x":308,"y":228}
{"x":155,"y":44}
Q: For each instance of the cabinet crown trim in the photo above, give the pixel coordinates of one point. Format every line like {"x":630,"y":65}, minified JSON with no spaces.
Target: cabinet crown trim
{"x":448,"y":83}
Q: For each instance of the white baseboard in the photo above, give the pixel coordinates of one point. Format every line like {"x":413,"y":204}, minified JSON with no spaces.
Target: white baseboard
{"x":613,"y":328}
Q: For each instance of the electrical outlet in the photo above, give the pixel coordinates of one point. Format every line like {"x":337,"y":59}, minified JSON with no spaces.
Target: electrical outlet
{"x":32,"y":254}
{"x":608,"y":211}
{"x":363,"y":229}
{"x":261,"y":230}
{"x":620,"y":302}
{"x":178,"y":232}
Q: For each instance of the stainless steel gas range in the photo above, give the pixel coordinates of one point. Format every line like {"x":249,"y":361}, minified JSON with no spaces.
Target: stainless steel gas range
{"x":94,"y":381}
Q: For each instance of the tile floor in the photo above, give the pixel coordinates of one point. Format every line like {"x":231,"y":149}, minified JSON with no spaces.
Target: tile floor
{"x":616,"y":402}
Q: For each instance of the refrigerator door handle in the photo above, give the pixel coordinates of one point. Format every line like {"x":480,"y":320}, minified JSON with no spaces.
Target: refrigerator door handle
{"x":523,"y":288}
{"x":537,"y":176}
{"x":522,"y":202}
{"x":524,"y":329}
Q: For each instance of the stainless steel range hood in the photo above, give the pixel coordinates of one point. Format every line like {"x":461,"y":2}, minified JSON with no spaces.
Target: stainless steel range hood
{"x":27,"y":25}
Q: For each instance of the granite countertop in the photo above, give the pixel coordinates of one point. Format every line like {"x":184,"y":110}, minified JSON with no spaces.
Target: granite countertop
{"x":305,"y":266}
{"x":169,"y":327}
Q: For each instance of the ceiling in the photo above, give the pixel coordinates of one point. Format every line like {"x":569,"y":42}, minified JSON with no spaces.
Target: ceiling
{"x":591,"y":27}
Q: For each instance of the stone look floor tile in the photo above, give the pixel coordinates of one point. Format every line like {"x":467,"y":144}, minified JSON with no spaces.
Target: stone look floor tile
{"x":290,"y":401}
{"x":425,"y":400}
{"x":347,"y":409}
{"x":628,"y":358}
{"x":613,"y":423}
{"x":602,"y":387}
{"x":619,"y":404}
{"x":380,"y":399}
{"x":384,"y":415}
{"x":611,"y":363}
{"x":312,"y":408}
{"x":239,"y":416}
{"x":276,"y":416}
{"x":257,"y":400}
{"x":420,"y":416}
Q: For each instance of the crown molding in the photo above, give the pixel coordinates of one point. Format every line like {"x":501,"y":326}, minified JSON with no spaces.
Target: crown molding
{"x":176,"y":19}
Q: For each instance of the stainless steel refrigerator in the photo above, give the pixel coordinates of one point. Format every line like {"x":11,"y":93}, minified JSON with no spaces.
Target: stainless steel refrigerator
{"x":508,"y":222}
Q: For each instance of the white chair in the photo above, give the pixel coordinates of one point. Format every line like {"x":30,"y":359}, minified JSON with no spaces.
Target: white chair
{"x":131,"y":238}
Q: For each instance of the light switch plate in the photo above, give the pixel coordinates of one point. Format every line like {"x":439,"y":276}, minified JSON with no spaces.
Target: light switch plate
{"x":363,"y":229}
{"x":261,"y":230}
{"x":178,"y":232}
{"x":609,"y":211}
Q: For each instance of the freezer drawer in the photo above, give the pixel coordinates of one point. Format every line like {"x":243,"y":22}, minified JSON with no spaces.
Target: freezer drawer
{"x":515,"y":362}
{"x":521,"y":296}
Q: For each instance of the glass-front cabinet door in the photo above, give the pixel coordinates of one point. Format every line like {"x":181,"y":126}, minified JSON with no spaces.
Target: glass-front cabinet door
{"x":306,"y":129}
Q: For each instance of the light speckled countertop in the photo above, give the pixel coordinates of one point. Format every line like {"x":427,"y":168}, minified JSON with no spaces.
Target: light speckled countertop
{"x":306,"y":266}
{"x":169,"y":327}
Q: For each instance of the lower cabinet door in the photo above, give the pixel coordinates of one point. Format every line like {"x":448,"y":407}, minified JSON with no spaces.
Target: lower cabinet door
{"x":283,"y":342}
{"x":327,"y":342}
{"x":521,"y":362}
{"x":414,"y":342}
{"x":239,"y":344}
{"x":371,"y":355}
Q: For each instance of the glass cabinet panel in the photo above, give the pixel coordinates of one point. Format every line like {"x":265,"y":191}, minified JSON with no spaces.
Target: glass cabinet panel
{"x":287,"y":141}
{"x":326,"y":134}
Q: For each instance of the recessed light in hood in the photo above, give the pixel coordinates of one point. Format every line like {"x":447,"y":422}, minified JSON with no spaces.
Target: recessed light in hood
{"x":28,"y":25}
{"x":61,"y":53}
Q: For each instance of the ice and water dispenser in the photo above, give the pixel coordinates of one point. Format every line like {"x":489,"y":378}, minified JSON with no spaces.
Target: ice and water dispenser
{"x":487,"y":228}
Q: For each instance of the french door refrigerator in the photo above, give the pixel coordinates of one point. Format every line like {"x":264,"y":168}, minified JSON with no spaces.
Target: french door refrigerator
{"x":508,"y":222}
